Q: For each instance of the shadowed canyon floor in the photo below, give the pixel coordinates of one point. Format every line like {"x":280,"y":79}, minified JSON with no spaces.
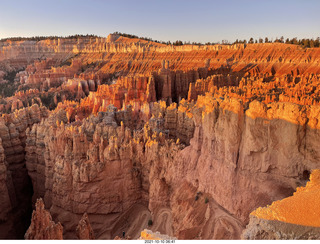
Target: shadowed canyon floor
{"x":120,"y":135}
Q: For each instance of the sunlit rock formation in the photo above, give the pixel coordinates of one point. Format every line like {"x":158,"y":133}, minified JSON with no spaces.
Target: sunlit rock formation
{"x":149,"y":235}
{"x":295,"y":217}
{"x":124,"y":131}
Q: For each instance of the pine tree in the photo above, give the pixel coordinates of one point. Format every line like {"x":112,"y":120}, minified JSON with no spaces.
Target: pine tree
{"x":311,"y":43}
{"x":305,"y":42}
{"x":282,"y":39}
{"x":317,"y":42}
{"x":294,"y":41}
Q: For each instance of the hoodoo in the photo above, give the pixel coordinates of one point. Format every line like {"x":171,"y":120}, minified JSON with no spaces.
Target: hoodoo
{"x":127,"y":138}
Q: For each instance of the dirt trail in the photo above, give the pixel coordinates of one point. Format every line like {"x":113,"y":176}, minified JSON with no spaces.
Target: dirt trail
{"x":219,"y":225}
{"x":163,"y":222}
{"x":132,"y":222}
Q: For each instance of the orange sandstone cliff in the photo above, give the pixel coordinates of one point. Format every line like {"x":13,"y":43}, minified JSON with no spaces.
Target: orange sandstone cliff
{"x":126,"y":132}
{"x":295,"y":217}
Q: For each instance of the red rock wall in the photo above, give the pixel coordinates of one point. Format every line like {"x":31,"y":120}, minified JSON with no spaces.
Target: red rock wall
{"x":238,"y":159}
{"x":16,"y":188}
{"x":85,"y":158}
{"x":244,"y":137}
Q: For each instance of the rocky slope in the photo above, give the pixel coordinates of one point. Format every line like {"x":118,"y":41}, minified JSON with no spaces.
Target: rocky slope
{"x":193,"y":138}
{"x":261,"y":229}
{"x":295,"y":217}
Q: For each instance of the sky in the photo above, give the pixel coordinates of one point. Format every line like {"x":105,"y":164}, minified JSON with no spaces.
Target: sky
{"x":163,"y":20}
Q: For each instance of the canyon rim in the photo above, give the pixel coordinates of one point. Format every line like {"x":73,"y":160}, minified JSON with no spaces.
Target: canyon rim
{"x":123,"y":137}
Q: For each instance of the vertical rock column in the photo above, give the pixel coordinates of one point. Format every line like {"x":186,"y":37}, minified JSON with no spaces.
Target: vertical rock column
{"x":13,"y":136}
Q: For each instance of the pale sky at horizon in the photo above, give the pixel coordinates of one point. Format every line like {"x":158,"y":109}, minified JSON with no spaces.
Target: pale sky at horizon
{"x":186,"y":20}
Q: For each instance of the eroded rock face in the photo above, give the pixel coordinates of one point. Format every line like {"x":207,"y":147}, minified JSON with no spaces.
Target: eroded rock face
{"x":75,"y":177}
{"x":5,"y":203}
{"x":133,"y":149}
{"x":238,"y":159}
{"x":262,"y":229}
{"x":42,"y":227}
{"x":244,"y":158}
{"x":16,"y":183}
{"x":295,"y":217}
{"x":84,"y":230}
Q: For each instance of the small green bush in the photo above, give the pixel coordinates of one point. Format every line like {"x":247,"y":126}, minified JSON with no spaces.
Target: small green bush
{"x":206,"y":200}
